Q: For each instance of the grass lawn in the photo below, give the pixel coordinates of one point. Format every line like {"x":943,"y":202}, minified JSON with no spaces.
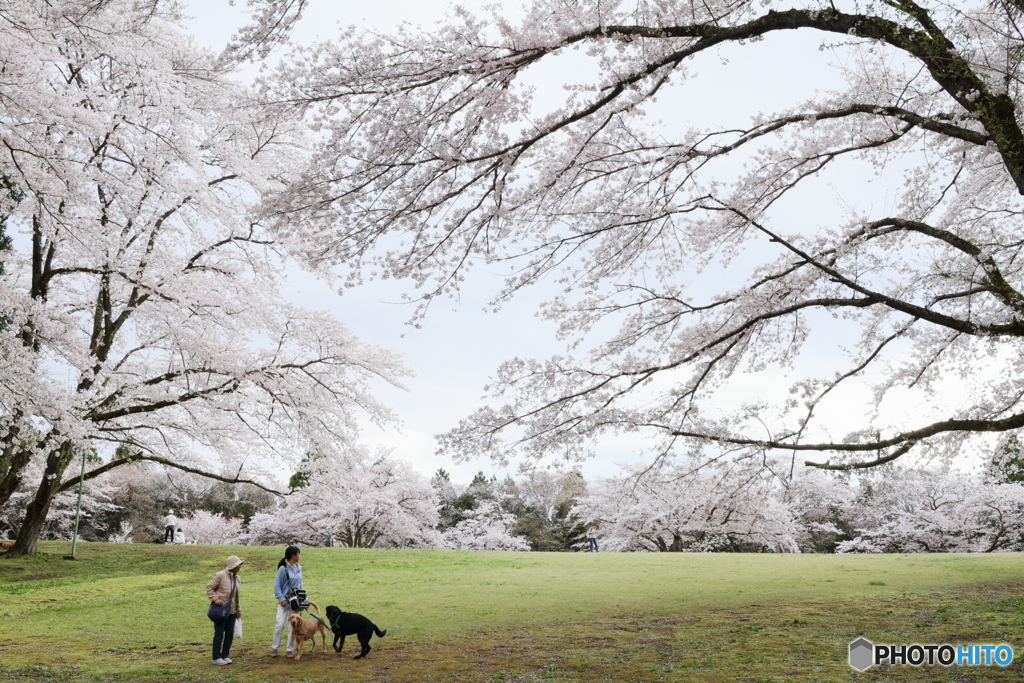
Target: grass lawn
{"x":138,"y":613}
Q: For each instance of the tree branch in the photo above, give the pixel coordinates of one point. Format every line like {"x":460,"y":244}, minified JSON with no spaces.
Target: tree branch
{"x":905,"y":440}
{"x":140,"y":457}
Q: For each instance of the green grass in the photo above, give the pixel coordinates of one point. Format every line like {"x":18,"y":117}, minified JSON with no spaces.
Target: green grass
{"x":137,"y":613}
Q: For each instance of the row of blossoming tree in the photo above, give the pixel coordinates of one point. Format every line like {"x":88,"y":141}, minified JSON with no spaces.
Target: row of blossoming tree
{"x":361,"y":499}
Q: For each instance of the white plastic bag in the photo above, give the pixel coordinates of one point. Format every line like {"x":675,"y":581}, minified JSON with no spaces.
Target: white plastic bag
{"x":238,"y":628}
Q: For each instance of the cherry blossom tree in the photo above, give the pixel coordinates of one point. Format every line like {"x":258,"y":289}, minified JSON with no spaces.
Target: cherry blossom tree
{"x":145,"y":491}
{"x":487,"y":527}
{"x":143,"y":305}
{"x":937,"y":511}
{"x":543,"y":503}
{"x":270,"y":23}
{"x":366,"y":500}
{"x":689,"y":506}
{"x":207,"y":528}
{"x":713,"y":249}
{"x":824,"y":509}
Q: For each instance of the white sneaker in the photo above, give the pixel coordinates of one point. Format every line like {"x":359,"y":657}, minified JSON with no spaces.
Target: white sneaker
{"x":219,"y":662}
{"x":227,"y":661}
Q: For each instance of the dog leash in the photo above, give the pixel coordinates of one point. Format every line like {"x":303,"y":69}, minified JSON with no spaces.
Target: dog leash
{"x":322,"y":622}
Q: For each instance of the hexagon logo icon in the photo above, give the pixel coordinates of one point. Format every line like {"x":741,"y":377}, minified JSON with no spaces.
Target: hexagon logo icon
{"x":862,"y":654}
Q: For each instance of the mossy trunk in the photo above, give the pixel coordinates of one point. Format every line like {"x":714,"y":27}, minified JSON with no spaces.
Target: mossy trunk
{"x":14,"y":458}
{"x":27,"y":540}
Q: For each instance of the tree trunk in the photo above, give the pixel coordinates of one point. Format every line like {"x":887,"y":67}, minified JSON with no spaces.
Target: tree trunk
{"x":14,"y":458}
{"x":35,"y":516}
{"x":677,"y":544}
{"x":11,"y":469}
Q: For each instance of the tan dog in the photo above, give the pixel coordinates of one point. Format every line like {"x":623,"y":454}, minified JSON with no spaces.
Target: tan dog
{"x":308,"y":628}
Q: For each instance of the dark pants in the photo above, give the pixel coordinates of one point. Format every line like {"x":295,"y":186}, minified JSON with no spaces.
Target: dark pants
{"x":169,"y":533}
{"x":223,"y":634}
{"x":593,"y":544}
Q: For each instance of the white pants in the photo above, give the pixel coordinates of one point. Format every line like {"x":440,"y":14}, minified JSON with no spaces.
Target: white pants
{"x":283,"y":613}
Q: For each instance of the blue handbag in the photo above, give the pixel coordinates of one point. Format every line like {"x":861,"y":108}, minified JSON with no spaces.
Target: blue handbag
{"x":222,"y":612}
{"x":219,"y":612}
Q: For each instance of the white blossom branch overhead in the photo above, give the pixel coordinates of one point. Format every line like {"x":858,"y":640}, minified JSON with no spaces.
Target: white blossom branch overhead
{"x":687,"y":240}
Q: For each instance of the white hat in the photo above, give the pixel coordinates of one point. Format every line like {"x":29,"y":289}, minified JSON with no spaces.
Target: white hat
{"x":233,"y":562}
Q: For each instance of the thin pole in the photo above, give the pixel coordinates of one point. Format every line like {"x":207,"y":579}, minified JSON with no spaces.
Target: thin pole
{"x":78,"y":509}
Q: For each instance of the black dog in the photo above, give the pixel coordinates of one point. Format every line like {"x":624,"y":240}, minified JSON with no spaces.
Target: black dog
{"x":349,"y":623}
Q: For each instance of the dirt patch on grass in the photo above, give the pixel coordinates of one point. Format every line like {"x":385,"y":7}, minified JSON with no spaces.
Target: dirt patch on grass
{"x":137,"y":614}
{"x":798,"y":642}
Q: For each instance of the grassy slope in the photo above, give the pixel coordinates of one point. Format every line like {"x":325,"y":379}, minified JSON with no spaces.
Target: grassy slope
{"x":138,"y":613}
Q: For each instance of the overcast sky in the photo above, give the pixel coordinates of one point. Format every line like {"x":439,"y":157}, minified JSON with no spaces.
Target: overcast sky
{"x":459,"y":346}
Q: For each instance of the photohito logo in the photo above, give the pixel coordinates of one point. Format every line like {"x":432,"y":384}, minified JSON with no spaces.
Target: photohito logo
{"x":864,"y":654}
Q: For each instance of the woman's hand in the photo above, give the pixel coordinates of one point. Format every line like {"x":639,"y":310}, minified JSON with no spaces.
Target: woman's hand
{"x":219,"y":603}
{"x":283,"y":603}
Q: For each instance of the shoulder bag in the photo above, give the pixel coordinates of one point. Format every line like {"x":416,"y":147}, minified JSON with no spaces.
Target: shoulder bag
{"x":297,"y":600}
{"x":222,"y":612}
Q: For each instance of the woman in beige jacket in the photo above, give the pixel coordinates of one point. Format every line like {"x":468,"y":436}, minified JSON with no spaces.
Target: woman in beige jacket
{"x":223,"y":591}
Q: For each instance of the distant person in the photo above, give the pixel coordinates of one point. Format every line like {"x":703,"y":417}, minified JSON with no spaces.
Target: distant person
{"x":223,"y":592}
{"x":288,"y":579}
{"x":330,"y":541}
{"x":170,"y":521}
{"x":179,"y":536}
{"x":592,"y":536}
